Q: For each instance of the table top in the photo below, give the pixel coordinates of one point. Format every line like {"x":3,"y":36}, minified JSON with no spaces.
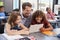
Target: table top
{"x":37,"y":35}
{"x":56,"y":16}
{"x":52,"y":21}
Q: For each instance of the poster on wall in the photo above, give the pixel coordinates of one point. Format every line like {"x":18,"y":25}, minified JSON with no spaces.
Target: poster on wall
{"x":1,"y":4}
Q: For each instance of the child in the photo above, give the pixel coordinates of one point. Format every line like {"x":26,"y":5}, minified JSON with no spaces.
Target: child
{"x":38,"y":17}
{"x":13,"y":25}
{"x":50,"y":15}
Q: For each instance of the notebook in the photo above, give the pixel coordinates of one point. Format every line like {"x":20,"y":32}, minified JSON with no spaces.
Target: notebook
{"x":49,"y":33}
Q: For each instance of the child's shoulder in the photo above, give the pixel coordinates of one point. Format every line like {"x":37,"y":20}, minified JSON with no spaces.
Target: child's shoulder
{"x":7,"y":24}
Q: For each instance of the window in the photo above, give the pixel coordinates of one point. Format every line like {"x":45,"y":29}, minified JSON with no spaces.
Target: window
{"x":45,"y":3}
{"x":15,"y":4}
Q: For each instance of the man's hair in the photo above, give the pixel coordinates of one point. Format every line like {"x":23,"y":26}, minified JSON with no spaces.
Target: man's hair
{"x":26,"y":4}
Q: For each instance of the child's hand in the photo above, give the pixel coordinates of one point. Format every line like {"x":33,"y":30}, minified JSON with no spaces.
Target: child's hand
{"x":42,"y":29}
{"x":25,"y":32}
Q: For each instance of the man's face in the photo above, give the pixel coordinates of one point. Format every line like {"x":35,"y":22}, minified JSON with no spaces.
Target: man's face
{"x":27,"y":11}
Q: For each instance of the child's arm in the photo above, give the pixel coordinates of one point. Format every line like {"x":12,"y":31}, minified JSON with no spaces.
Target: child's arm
{"x":23,"y":27}
{"x":14,"y":32}
{"x":47,"y":29}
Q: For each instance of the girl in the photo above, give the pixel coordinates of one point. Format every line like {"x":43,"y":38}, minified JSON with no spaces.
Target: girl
{"x":13,"y":25}
{"x":38,"y":17}
{"x":50,"y":15}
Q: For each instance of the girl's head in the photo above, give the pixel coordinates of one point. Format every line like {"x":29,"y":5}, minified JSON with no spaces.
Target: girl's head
{"x":38,"y":16}
{"x":48,"y":9}
{"x":14,"y":18}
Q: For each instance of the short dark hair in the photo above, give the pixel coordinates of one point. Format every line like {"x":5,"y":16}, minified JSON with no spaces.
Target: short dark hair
{"x":16,"y":10}
{"x":1,"y":6}
{"x":26,"y":4}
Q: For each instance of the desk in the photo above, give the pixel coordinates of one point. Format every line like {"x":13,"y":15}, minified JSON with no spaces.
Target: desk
{"x":53,"y":23}
{"x":56,"y":22}
{"x":56,"y":16}
{"x":37,"y":35}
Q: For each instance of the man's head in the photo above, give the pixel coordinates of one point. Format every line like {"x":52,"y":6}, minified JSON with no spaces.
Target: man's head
{"x":1,"y":8}
{"x":26,"y":7}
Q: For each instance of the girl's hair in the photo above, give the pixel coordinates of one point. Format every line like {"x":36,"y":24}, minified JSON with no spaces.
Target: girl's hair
{"x":42,"y":15}
{"x":12,"y":18}
{"x":37,"y":14}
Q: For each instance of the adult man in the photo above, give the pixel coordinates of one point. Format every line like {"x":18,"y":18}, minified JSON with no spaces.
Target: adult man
{"x":26,"y":14}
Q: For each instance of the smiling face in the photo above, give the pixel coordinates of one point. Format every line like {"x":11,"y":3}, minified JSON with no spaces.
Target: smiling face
{"x":38,"y":19}
{"x":27,"y":11}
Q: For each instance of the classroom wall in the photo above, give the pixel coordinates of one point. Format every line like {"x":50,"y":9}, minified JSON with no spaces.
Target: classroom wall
{"x":8,"y":4}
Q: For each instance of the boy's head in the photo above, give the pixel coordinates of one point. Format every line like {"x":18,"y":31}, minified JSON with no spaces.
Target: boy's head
{"x":1,"y":8}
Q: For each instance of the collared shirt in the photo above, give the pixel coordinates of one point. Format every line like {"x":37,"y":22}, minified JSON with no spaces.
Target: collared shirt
{"x":26,"y":21}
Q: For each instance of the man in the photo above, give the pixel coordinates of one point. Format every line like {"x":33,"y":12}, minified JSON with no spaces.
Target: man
{"x":26,"y":14}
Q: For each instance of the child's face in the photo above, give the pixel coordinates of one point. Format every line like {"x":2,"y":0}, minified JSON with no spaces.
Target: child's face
{"x":18,"y":20}
{"x":49,"y":10}
{"x":38,"y":19}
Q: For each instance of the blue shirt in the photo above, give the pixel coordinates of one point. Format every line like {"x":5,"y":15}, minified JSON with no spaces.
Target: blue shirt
{"x":2,"y":14}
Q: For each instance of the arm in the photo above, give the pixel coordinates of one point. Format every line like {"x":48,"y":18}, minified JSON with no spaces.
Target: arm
{"x":23,"y":27}
{"x":47,"y":29}
{"x":50,"y":28}
{"x":14,"y":32}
